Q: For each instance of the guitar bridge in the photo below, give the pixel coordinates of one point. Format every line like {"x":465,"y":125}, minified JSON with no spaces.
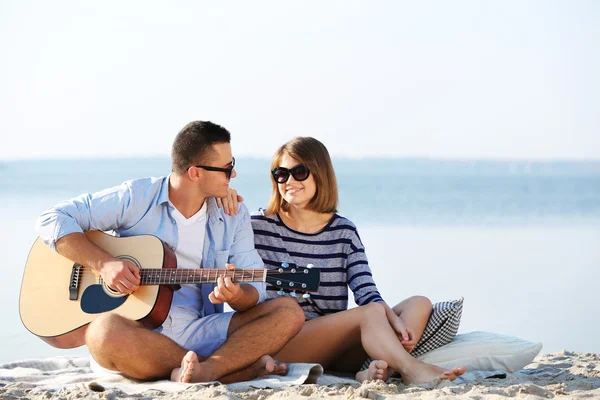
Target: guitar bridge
{"x":74,"y":281}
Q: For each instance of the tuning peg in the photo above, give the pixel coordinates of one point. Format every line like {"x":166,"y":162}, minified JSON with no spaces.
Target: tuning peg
{"x":310,"y":266}
{"x":280,"y":292}
{"x":306,"y":295}
{"x":283,"y":265}
{"x":293,"y":293}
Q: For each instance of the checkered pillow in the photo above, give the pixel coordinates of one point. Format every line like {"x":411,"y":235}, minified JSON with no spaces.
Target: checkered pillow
{"x":440,"y":329}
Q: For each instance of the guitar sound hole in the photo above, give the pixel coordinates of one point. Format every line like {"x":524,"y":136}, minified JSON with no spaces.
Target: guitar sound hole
{"x":132,"y":260}
{"x":110,"y":291}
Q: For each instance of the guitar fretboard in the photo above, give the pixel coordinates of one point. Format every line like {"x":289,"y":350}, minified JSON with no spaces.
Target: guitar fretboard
{"x":181,"y":276}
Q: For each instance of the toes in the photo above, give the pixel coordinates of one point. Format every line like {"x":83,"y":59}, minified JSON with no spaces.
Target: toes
{"x":448,"y":375}
{"x":191,"y":357}
{"x":269,"y":364}
{"x":453,"y":373}
{"x":280,"y":369}
{"x":175,"y":374}
{"x":361,"y":376}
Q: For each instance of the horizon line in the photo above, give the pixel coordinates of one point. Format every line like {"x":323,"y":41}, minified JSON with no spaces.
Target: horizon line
{"x":333,"y":157}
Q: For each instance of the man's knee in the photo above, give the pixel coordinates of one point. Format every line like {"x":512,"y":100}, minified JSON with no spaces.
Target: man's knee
{"x":104,"y":330}
{"x":288,"y":309}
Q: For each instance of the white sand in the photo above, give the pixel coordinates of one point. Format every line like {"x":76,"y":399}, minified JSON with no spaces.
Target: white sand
{"x":564,"y":374}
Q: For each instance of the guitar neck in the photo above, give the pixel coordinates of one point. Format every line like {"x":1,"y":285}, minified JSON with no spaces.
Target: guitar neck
{"x":174,"y":276}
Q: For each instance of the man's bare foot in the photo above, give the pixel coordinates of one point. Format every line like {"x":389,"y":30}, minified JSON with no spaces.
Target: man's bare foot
{"x":189,"y":371}
{"x":192,"y":370}
{"x":265,"y":365}
{"x":378,"y":370}
{"x":427,"y":373}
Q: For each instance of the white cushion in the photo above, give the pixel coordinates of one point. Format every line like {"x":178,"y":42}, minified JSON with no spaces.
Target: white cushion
{"x":484,"y":351}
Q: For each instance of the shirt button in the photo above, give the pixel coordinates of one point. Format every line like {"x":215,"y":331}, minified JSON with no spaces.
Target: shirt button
{"x":173,"y":221}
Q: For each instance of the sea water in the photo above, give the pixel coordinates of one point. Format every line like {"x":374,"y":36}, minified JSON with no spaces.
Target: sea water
{"x":519,"y":240}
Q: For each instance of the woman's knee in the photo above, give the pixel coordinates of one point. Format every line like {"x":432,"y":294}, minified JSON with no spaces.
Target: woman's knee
{"x":373,"y":309}
{"x":421,"y":302}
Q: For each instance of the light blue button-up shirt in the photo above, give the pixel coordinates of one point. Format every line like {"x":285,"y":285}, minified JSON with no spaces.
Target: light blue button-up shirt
{"x":141,"y":206}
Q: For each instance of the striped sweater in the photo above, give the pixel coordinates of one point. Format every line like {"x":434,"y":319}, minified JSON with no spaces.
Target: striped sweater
{"x":336,"y":250}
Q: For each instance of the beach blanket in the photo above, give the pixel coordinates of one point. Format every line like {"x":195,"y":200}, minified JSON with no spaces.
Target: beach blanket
{"x":64,"y":373}
{"x":565,"y":373}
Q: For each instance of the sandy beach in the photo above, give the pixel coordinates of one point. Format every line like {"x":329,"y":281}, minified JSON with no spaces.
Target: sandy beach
{"x":563,"y":374}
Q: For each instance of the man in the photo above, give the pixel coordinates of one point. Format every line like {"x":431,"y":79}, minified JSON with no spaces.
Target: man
{"x":198,"y":342}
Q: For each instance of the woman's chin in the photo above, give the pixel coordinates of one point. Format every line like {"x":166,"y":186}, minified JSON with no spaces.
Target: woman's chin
{"x":297,"y":203}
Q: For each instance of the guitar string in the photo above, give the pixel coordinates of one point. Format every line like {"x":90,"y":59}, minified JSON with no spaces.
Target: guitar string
{"x":164,"y":272}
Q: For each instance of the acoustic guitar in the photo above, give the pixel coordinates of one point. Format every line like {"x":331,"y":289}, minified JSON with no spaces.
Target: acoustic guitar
{"x":60,"y":298}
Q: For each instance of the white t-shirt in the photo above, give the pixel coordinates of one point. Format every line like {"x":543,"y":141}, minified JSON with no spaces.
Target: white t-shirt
{"x":187,"y":301}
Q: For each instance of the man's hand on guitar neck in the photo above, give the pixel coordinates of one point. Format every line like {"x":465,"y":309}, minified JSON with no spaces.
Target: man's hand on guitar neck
{"x":239,"y":297}
{"x":122,"y":276}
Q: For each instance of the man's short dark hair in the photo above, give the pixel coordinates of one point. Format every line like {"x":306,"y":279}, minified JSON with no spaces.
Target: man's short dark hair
{"x":193,"y":144}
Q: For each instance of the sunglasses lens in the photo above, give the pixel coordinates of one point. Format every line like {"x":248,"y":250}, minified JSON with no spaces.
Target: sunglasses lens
{"x":281,"y":175}
{"x":300,"y":172}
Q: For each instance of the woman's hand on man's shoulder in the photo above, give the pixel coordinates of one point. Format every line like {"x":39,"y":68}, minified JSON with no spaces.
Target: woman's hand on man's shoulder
{"x":230,"y":204}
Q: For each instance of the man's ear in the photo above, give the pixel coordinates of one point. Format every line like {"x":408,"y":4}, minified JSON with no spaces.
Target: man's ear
{"x":192,"y":173}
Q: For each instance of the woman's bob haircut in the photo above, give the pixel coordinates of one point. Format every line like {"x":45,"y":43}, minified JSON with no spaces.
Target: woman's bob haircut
{"x":314,"y":155}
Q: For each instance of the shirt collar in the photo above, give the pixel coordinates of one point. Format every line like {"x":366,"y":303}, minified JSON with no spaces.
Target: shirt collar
{"x":213,"y":212}
{"x":163,"y":197}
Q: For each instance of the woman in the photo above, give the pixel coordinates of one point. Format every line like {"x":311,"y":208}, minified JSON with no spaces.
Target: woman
{"x":299,"y":227}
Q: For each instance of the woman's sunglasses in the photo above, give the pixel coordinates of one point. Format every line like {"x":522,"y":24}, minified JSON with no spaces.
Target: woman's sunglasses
{"x":299,"y":172}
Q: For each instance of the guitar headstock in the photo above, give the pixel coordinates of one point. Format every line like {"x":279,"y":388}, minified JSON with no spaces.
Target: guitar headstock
{"x":295,"y":279}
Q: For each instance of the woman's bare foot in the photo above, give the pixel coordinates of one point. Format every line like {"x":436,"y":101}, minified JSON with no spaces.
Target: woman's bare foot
{"x":426,"y":373}
{"x":189,"y":371}
{"x":378,"y":370}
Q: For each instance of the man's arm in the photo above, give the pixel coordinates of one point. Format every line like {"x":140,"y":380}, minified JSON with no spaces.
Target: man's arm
{"x":105,"y":210}
{"x":243,"y":255}
{"x":120,"y":275}
{"x":61,"y":227}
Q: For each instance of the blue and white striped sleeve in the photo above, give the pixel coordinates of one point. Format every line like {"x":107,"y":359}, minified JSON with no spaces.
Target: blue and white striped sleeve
{"x":360,"y":278}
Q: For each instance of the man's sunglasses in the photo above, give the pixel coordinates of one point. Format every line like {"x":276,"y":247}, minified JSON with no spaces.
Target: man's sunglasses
{"x":227,"y":171}
{"x":299,"y":172}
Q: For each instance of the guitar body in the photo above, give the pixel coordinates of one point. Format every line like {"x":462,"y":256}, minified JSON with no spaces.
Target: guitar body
{"x":46,"y":304}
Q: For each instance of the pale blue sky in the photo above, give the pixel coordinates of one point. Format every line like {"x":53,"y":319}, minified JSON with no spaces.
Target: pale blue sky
{"x":466,"y":79}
